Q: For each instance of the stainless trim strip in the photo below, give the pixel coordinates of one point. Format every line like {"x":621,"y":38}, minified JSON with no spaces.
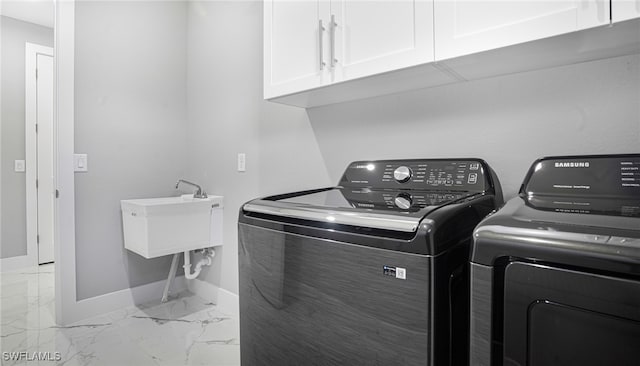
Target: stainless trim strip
{"x":333,"y":41}
{"x":321,"y":29}
{"x":353,"y":218}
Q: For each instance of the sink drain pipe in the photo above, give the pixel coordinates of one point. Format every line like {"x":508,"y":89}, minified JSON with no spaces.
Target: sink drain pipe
{"x":208,"y":254}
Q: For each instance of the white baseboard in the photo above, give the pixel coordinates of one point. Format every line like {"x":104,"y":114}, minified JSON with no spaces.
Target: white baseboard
{"x":124,"y":298}
{"x":226,"y":301}
{"x":15,"y":263}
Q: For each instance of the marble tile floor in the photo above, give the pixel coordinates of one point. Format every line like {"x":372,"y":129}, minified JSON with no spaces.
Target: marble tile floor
{"x":184,"y":331}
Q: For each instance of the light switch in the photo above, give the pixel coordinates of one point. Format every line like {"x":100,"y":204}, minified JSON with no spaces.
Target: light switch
{"x":80,"y":162}
{"x":18,"y":166}
{"x":242,"y":162}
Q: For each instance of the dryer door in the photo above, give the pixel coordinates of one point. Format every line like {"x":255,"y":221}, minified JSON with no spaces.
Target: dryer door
{"x":555,"y":316}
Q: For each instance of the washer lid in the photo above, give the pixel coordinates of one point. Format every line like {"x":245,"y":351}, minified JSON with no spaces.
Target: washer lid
{"x":392,"y":195}
{"x":379,"y":209}
{"x":369,"y":199}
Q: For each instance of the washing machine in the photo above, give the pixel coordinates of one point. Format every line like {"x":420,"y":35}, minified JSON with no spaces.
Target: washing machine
{"x":555,"y":273}
{"x":373,"y":271}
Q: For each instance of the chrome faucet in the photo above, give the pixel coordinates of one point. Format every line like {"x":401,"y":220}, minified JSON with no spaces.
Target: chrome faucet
{"x":199,"y":193}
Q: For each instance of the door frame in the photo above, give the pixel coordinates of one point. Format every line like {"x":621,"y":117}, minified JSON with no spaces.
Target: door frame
{"x":32,"y":51}
{"x":63,"y":137}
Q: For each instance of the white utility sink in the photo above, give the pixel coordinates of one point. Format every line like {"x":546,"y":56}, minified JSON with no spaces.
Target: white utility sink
{"x":154,"y":227}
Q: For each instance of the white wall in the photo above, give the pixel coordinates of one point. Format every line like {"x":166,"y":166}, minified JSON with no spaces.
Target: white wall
{"x":227,"y":115}
{"x":14,"y":34}
{"x":130,"y":118}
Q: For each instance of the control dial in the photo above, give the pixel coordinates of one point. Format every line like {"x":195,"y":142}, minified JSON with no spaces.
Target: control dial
{"x":403,"y":201}
{"x":402,"y":174}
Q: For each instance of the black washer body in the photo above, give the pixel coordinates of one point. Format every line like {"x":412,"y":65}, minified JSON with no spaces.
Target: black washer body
{"x":371,"y":272}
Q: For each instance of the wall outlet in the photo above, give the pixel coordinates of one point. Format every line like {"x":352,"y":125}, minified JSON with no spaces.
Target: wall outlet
{"x":80,"y":163}
{"x":242,"y":162}
{"x":19,"y":166}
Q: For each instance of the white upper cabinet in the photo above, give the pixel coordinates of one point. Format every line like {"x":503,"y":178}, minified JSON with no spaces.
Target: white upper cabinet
{"x":464,"y":27}
{"x":293,"y":46}
{"x":308,"y":44}
{"x":372,"y":37}
{"x":624,"y":10}
{"x":319,"y":52}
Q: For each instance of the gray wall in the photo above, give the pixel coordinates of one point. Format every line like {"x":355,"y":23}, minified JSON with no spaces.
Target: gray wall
{"x":586,"y":108}
{"x":227,"y":115}
{"x":509,"y":121}
{"x":130,"y":110}
{"x":14,"y":34}
{"x":166,"y":90}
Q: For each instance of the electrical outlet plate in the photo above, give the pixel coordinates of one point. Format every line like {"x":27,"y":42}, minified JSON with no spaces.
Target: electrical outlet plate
{"x":80,"y":162}
{"x":19,"y":166}
{"x":242,"y":162}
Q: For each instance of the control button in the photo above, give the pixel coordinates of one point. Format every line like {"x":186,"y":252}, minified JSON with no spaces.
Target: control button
{"x":473,"y":178}
{"x":474,"y":166}
{"x":403,"y":201}
{"x":402,"y":174}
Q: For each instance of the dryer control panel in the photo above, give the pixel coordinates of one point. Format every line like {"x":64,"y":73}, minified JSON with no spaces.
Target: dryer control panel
{"x":602,"y":184}
{"x":468,"y":175}
{"x":606,"y":176}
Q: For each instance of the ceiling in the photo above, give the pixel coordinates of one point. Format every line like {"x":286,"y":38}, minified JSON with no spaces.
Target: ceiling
{"x":33,"y":11}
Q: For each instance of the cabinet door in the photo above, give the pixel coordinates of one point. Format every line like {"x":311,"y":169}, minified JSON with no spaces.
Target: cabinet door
{"x":624,"y":10}
{"x":465,"y":26}
{"x":293,"y":46}
{"x":372,"y":37}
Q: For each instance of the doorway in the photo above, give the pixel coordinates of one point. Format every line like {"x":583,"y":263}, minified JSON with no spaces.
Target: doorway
{"x":39,"y":134}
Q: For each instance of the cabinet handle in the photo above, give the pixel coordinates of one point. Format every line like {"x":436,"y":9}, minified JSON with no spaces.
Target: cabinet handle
{"x":320,"y":32}
{"x":332,"y":35}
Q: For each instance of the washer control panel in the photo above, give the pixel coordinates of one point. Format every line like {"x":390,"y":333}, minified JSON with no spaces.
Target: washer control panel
{"x":397,"y":200}
{"x":427,"y":174}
